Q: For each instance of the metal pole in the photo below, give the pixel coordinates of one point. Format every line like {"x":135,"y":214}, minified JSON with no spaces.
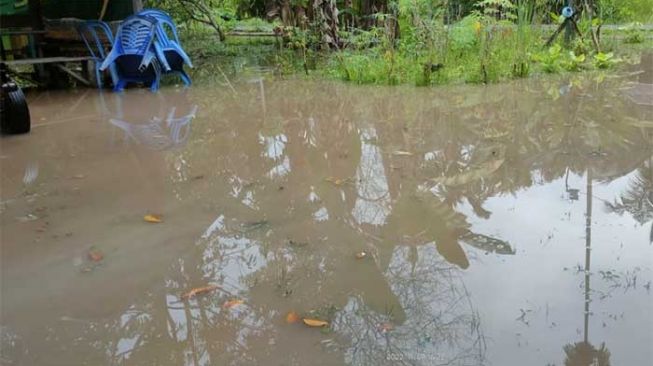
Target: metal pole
{"x":588,"y":255}
{"x":569,"y":31}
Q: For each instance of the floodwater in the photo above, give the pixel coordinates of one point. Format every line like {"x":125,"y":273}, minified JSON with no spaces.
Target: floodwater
{"x":500,"y":225}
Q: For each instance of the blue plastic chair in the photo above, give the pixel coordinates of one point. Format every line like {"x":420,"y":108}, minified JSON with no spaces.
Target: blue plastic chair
{"x":135,"y":52}
{"x":174,"y":56}
{"x":88,"y":31}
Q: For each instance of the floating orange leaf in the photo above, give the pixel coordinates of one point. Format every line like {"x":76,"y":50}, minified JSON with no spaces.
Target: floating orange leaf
{"x":153,"y":218}
{"x":199,"y":291}
{"x":231,"y":303}
{"x":95,"y":255}
{"x":315,"y":322}
{"x":292,"y":317}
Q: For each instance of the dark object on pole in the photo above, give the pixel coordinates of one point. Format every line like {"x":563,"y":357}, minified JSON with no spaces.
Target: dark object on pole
{"x":14,"y":113}
{"x":569,"y":22}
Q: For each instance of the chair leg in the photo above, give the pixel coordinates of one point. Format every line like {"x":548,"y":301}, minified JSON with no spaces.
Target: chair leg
{"x":114,"y":74}
{"x":185,"y":78}
{"x":98,"y":77}
{"x":120,"y":86}
{"x":155,"y":84}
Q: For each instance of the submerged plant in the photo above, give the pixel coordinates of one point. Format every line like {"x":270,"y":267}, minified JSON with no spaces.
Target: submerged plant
{"x":634,"y":33}
{"x":551,"y":60}
{"x":605,"y":60}
{"x":574,"y":62}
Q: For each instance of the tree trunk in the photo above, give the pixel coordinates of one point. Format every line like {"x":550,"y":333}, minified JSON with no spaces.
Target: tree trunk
{"x":325,"y":14}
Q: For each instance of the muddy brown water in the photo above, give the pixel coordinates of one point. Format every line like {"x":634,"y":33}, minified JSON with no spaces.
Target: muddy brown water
{"x":501,"y":225}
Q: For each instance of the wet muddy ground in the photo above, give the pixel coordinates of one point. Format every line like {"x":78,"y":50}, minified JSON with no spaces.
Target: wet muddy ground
{"x":501,"y":225}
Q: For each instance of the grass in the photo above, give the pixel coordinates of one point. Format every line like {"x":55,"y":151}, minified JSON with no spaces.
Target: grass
{"x":474,"y":50}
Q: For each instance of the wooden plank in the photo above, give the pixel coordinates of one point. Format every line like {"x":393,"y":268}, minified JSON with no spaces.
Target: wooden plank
{"x":20,"y":32}
{"x":44,"y":60}
{"x":73,"y":74}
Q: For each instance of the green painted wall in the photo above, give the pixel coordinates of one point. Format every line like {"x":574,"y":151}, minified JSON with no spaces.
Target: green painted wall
{"x":11,"y":7}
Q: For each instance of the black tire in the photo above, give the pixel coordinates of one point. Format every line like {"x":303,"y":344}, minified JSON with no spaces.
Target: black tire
{"x":14,"y":113}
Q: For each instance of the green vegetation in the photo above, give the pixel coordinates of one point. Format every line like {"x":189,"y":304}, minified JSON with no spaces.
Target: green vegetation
{"x":419,"y":42}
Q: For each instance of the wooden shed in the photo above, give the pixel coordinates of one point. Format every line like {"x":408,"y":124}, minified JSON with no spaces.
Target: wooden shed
{"x":42,"y":33}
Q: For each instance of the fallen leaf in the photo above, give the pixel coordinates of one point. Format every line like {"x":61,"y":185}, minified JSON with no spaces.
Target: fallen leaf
{"x":361,"y":255}
{"x":292,"y":317}
{"x":199,"y":291}
{"x":315,"y":322}
{"x":231,"y":303}
{"x":95,"y":255}
{"x":153,"y":218}
{"x":402,"y":153}
{"x":337,"y":181}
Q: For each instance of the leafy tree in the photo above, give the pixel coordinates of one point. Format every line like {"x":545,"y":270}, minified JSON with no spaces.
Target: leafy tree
{"x":201,"y":11}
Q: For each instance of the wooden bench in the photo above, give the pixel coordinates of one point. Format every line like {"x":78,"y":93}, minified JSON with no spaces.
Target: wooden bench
{"x":59,"y":62}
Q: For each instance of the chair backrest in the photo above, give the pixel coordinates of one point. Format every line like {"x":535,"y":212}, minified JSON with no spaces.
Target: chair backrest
{"x":180,"y":126}
{"x":89,"y":30}
{"x":164,"y":19}
{"x":136,"y":34}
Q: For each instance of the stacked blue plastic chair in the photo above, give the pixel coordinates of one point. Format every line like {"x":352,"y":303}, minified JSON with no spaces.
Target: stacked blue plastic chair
{"x":174,"y":56}
{"x":135,"y":52}
{"x":88,"y":31}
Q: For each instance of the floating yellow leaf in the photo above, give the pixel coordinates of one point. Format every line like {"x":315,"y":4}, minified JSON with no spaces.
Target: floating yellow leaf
{"x":292,"y":317}
{"x":315,"y":322}
{"x":337,"y":181}
{"x":361,"y":255}
{"x":231,"y":303}
{"x":199,"y":291}
{"x":153,"y":218}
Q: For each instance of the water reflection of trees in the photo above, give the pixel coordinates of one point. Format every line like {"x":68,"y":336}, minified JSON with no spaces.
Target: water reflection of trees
{"x":402,"y":164}
{"x":637,"y":199}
